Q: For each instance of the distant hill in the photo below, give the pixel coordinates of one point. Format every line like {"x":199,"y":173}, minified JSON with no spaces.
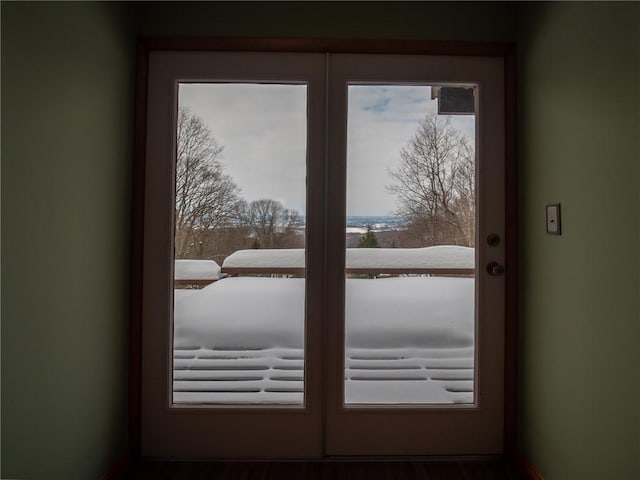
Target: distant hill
{"x":378,"y":223}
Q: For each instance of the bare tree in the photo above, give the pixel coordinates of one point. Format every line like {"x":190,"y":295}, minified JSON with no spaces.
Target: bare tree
{"x":435,"y":184}
{"x":272,"y":225}
{"x":206,"y":198}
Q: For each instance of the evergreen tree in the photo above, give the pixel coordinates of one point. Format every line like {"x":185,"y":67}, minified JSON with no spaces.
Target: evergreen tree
{"x":369,"y":239}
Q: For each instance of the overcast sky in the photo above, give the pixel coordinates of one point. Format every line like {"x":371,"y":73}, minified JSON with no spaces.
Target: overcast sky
{"x":263,"y":131}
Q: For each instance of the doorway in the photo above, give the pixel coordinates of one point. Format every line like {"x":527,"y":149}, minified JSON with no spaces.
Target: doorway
{"x":287,"y":322}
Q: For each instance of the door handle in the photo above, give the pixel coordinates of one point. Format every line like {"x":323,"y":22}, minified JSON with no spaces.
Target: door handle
{"x":495,"y":269}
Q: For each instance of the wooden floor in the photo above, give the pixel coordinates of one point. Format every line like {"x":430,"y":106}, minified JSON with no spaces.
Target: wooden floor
{"x":332,"y":470}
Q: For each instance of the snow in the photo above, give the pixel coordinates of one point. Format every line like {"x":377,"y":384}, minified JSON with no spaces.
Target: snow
{"x":383,"y":313}
{"x":243,"y":312}
{"x":443,"y":256}
{"x":196,"y":270}
{"x":409,"y":312}
{"x":181,"y":294}
{"x":276,"y":375}
{"x":266,"y":258}
{"x":409,"y":340}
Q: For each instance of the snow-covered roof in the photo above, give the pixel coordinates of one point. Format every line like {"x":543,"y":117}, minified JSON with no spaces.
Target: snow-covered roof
{"x":196,"y":270}
{"x":437,"y":257}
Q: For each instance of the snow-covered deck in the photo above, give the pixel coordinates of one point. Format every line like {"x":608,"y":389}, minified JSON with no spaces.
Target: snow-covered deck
{"x":409,"y":340}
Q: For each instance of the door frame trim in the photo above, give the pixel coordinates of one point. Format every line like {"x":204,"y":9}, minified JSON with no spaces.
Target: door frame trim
{"x":146,"y":45}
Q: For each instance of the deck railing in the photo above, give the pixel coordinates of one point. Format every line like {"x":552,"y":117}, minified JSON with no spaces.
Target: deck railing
{"x":373,"y":263}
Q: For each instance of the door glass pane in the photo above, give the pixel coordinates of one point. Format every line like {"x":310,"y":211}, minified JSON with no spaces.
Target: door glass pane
{"x":239,"y":296}
{"x":410,"y":258}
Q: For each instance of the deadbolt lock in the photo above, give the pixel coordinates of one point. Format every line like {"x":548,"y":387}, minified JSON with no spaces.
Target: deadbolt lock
{"x":493,"y":240}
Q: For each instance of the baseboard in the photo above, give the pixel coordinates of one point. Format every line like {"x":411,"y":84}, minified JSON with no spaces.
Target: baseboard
{"x":119,"y":467}
{"x":525,"y":467}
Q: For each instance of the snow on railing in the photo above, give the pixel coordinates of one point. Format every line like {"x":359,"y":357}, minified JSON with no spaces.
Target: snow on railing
{"x":195,"y":273}
{"x":436,"y":260}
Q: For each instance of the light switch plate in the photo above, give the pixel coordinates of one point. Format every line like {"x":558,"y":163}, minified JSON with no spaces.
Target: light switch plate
{"x":553,"y":219}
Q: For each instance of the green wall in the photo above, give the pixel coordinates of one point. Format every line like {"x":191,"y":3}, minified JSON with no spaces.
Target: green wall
{"x":67,"y":106}
{"x":580,"y":317}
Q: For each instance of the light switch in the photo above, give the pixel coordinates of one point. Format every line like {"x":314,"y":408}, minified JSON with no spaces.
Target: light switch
{"x":553,"y":219}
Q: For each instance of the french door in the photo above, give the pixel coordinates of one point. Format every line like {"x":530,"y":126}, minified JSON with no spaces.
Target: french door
{"x":323,"y":255}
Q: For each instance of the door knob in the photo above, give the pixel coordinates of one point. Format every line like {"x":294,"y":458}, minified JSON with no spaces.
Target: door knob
{"x":495,"y":269}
